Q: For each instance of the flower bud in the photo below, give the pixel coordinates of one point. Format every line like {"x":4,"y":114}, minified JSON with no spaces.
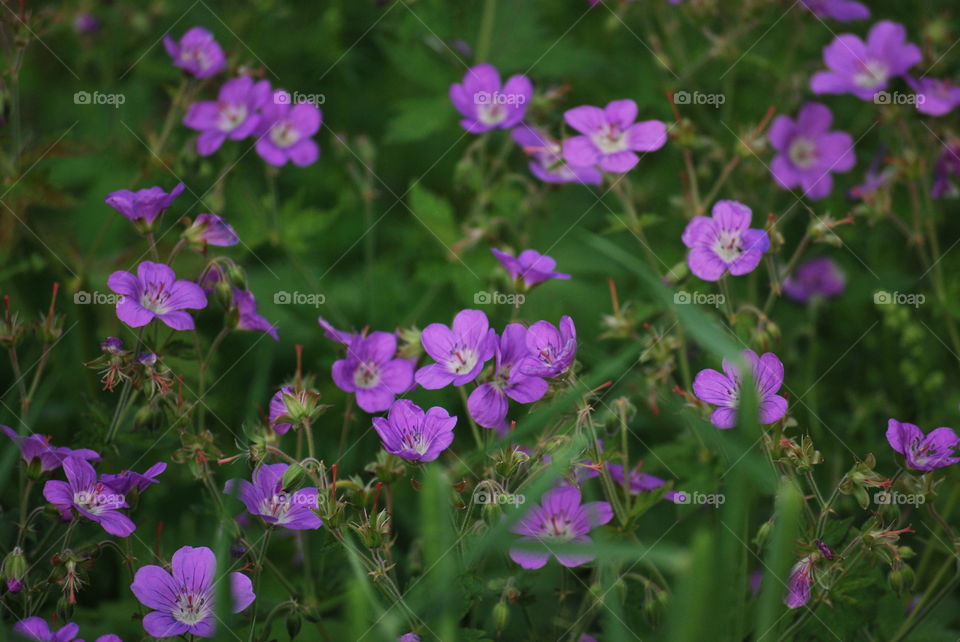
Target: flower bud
{"x":501,"y":615}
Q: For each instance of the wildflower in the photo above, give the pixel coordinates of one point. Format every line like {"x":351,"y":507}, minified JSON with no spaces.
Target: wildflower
{"x":546,"y":158}
{"x":409,"y":637}
{"x":127,"y":481}
{"x":210,"y":229}
{"x":551,"y":349}
{"x":864,"y":68}
{"x":330,"y":332}
{"x":183,"y":600}
{"x":247,"y":317}
{"x":234,"y":114}
{"x":874,"y":179}
{"x":278,"y":411}
{"x":530,"y":266}
{"x":818,"y":277}
{"x":560,"y":518}
{"x":948,"y":166}
{"x":485,"y":104}
{"x":842,"y":10}
{"x":724,"y":242}
{"x":143,"y":207}
{"x":267,"y":498}
{"x":36,"y":628}
{"x":285,"y":130}
{"x":610,"y":136}
{"x":86,"y":24}
{"x":934,"y":97}
{"x":415,"y":435}
{"x":723,"y":390}
{"x":636,"y":482}
{"x":197,"y":53}
{"x":808,"y":152}
{"x":37,"y":448}
{"x":489,"y":401}
{"x":112,"y":345}
{"x":90,"y":498}
{"x":155,"y":293}
{"x":923,"y":452}
{"x":372,"y":372}
{"x":460,"y":352}
{"x":798,"y":586}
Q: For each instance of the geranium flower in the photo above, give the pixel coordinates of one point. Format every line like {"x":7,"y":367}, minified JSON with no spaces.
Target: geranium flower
{"x":808,"y":152}
{"x":934,"y":97}
{"x":488,"y":402}
{"x":155,"y":293}
{"x":530,"y":267}
{"x":610,"y":137}
{"x":923,"y":452}
{"x":818,"y":277}
{"x":550,"y":349}
{"x":38,"y":448}
{"x":372,"y":372}
{"x":36,"y":628}
{"x":234,"y":114}
{"x":266,"y":498}
{"x":89,"y":498}
{"x":798,"y":586}
{"x":460,"y":353}
{"x":285,"y":131}
{"x":247,"y":316}
{"x":723,"y":389}
{"x":547,"y":161}
{"x":486,"y":105}
{"x":842,"y":10}
{"x":724,"y":242}
{"x":210,"y":229}
{"x":143,"y":207}
{"x":127,"y":481}
{"x":415,"y":435}
{"x":197,"y":53}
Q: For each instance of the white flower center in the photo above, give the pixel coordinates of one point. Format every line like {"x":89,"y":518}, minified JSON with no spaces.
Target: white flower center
{"x":873,"y":74}
{"x":191,"y":607}
{"x":231,"y":117}
{"x":728,"y":246}
{"x":610,"y":139}
{"x":557,"y":527}
{"x":283,"y":134}
{"x":367,"y":375}
{"x":491,"y":114}
{"x":462,"y":360}
{"x":154,"y":298}
{"x":803,"y":152}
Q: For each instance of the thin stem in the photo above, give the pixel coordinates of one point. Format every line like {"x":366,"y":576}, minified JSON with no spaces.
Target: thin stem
{"x":473,"y":425}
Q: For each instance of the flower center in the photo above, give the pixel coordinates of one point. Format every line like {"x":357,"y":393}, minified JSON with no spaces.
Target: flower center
{"x":557,"y":527}
{"x":462,"y":360}
{"x":610,"y":139}
{"x":728,"y":246}
{"x":231,"y":117}
{"x":414,"y":441}
{"x":283,"y":134}
{"x":872,"y":74}
{"x":491,"y":114}
{"x":277,"y":505}
{"x":154,"y":298}
{"x":191,"y":607}
{"x":803,"y":152}
{"x":367,"y":375}
{"x":195,"y":55}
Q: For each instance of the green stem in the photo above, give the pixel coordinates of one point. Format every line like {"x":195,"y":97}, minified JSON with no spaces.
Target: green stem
{"x":473,"y":425}
{"x":486,"y":30}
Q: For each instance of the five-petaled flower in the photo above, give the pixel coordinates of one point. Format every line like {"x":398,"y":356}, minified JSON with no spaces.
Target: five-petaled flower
{"x":610,"y":137}
{"x":550,"y":349}
{"x":155,"y":293}
{"x":842,"y":10}
{"x":372,"y":371}
{"x":923,"y":452}
{"x":724,"y":389}
{"x":235,"y":113}
{"x":37,"y":448}
{"x":198,"y":53}
{"x":285,"y":131}
{"x":724,"y":242}
{"x":530,"y":267}
{"x":486,"y":105}
{"x":546,"y":158}
{"x":460,"y":352}
{"x":819,"y":277}
{"x":144,"y":206}
{"x":267,"y":498}
{"x":409,"y":432}
{"x":89,"y":497}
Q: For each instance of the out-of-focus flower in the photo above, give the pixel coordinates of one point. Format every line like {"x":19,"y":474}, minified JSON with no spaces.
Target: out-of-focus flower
{"x":86,"y":24}
{"x":818,"y":277}
{"x":155,"y":292}
{"x":90,"y":498}
{"x":127,"y":481}
{"x":415,"y":435}
{"x":234,"y":114}
{"x":183,"y":601}
{"x":947,"y":167}
{"x":248,"y":318}
{"x":143,"y":207}
{"x":934,"y":97}
{"x":530,"y":267}
{"x":798,"y":587}
{"x":923,"y":452}
{"x":460,"y":352}
{"x":330,"y":332}
{"x":550,"y":349}
{"x":610,"y":137}
{"x":485,"y":104}
{"x":210,"y":229}
{"x":842,"y":10}
{"x":266,"y":498}
{"x":278,"y":409}
{"x":38,"y":448}
{"x":546,"y":158}
{"x":723,"y":389}
{"x":198,"y":53}
{"x":808,"y":152}
{"x":724,"y":242}
{"x":488,"y":402}
{"x":285,"y":131}
{"x":372,"y":372}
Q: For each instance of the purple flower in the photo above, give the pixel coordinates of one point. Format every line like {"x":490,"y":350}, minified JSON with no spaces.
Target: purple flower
{"x":112,"y":345}
{"x":531,"y":266}
{"x":550,"y":350}
{"x":285,"y":131}
{"x":948,"y":166}
{"x":798,"y":586}
{"x":183,"y":601}
{"x":144,"y":206}
{"x":636,"y":482}
{"x":724,"y":242}
{"x":560,"y":518}
{"x":371,"y":371}
{"x":818,"y":277}
{"x":38,"y":448}
{"x":90,"y":498}
{"x":267,"y":498}
{"x":808,"y":152}
{"x":210,"y":229}
{"x":126,"y":481}
{"x":934,"y":97}
{"x":842,"y":10}
{"x":278,"y":409}
{"x":488,"y":402}
{"x":330,"y":332}
{"x":86,"y":24}
{"x":864,"y":68}
{"x":415,"y":435}
{"x":923,"y":452}
{"x":547,"y":162}
{"x":460,"y":353}
{"x":248,"y":318}
{"x":36,"y":628}
{"x":409,"y":637}
{"x":610,"y":136}
{"x":485,"y":105}
{"x":197,"y":53}
{"x":723,"y":390}
{"x":874,"y":179}
{"x":155,"y":293}
{"x":234,"y":114}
